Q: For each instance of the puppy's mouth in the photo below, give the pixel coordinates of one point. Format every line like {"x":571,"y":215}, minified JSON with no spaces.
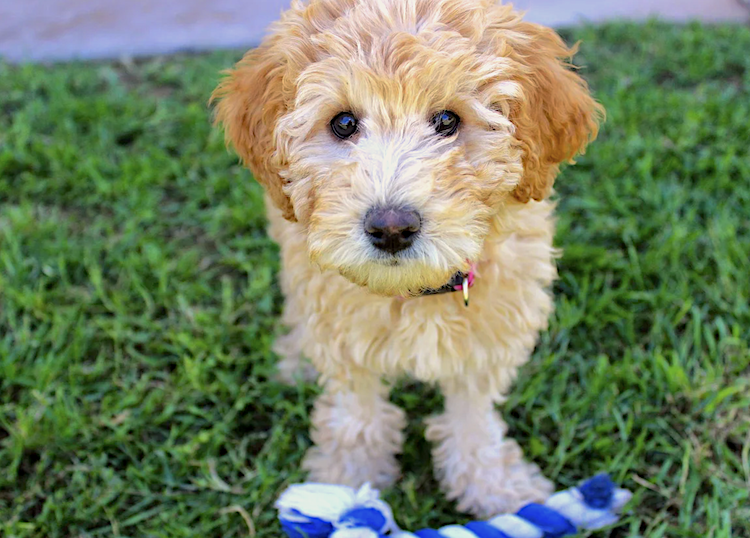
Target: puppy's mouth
{"x":461,"y":281}
{"x":391,"y":261}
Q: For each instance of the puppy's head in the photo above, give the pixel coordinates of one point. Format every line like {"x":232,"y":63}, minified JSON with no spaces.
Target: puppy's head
{"x":393,"y":131}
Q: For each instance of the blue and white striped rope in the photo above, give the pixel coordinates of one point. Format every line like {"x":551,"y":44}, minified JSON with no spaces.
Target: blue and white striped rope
{"x":328,"y":511}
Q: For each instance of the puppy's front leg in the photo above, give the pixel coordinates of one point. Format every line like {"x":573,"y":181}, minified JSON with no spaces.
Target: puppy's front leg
{"x":476,"y":464}
{"x":357,"y":433}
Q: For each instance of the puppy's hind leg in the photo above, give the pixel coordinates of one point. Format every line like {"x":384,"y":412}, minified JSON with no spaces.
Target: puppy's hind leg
{"x":292,"y":366}
{"x":357,"y":433}
{"x":477,"y":465}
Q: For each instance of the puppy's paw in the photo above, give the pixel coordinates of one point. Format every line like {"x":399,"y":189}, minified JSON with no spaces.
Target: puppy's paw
{"x":356,"y":440}
{"x":483,"y":470}
{"x":499,"y":485}
{"x":350,"y":467}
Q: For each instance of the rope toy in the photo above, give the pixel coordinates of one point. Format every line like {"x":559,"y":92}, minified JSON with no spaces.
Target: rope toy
{"x":328,"y":511}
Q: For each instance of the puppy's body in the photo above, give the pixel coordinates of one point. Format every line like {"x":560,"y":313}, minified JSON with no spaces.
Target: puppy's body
{"x":339,"y":325}
{"x":354,"y":338}
{"x":478,"y":194}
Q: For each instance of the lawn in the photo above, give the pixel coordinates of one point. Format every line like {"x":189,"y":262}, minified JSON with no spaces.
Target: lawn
{"x":138,"y":303}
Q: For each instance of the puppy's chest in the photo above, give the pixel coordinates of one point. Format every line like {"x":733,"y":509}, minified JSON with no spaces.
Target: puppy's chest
{"x":433,"y":337}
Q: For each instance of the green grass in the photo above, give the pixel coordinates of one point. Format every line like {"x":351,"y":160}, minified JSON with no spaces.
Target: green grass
{"x":138,"y":302}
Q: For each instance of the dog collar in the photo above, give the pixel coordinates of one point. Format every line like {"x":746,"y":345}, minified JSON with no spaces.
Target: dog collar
{"x":459,"y":282}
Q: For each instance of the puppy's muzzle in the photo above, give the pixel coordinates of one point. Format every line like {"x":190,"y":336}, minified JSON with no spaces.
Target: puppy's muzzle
{"x":392,"y":229}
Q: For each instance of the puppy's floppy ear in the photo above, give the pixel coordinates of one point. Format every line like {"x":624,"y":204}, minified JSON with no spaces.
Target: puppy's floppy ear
{"x":556,"y":116}
{"x":250,"y":102}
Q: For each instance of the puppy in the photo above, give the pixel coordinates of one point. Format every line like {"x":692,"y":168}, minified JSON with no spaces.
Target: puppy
{"x":407,"y":149}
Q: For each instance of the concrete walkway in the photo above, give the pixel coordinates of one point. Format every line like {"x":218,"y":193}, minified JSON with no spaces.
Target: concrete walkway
{"x":65,"y":29}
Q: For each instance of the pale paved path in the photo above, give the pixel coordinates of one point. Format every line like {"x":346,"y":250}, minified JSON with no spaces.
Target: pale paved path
{"x":63,"y":29}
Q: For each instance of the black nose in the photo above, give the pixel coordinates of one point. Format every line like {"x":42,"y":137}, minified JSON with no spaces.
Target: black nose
{"x":392,"y":229}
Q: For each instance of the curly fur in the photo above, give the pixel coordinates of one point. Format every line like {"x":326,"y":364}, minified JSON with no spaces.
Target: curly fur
{"x":482,"y":196}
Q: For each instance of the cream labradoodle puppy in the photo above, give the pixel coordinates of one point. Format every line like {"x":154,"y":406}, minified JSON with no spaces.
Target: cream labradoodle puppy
{"x":407,"y":149}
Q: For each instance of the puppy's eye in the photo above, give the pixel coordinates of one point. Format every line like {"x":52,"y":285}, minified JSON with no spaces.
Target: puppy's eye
{"x":446,"y":122}
{"x":344,"y":125}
